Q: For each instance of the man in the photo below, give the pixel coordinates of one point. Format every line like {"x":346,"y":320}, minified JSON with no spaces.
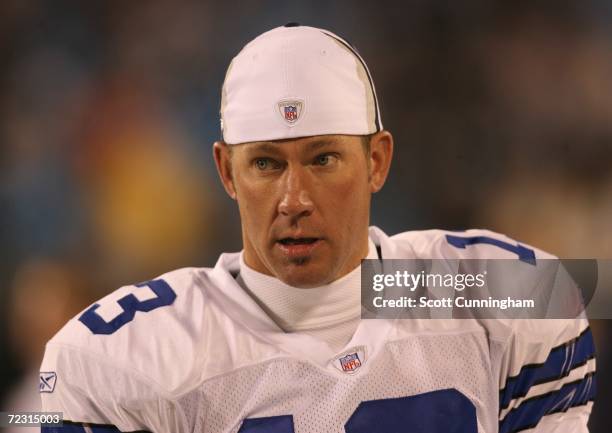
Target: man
{"x":271,"y":339}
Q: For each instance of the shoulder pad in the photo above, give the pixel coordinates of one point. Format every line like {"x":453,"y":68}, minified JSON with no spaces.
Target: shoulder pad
{"x":468,"y":244}
{"x":152,"y":329}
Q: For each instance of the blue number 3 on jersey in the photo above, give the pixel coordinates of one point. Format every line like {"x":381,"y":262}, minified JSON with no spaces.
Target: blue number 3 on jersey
{"x":130,"y":305}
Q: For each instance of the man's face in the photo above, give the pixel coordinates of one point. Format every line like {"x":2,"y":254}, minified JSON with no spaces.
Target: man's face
{"x":304,"y":204}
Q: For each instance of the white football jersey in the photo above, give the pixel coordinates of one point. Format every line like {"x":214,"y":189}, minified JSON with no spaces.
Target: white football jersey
{"x":191,"y":352}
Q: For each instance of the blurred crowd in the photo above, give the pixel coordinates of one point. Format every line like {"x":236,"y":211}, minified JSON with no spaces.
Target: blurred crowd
{"x":501,"y":112}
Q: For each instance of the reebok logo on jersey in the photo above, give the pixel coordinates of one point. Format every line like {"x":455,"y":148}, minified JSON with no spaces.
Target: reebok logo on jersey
{"x":350,"y":362}
{"x":47,"y":381}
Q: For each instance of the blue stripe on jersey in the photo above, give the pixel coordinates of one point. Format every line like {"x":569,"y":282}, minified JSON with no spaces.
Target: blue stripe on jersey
{"x":531,"y":411}
{"x":267,"y":424}
{"x":73,"y":427}
{"x":105,"y":429}
{"x":561,"y":360}
{"x":66,"y":428}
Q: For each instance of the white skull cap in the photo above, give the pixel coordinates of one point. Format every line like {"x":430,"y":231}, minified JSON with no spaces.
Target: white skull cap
{"x":297,"y":81}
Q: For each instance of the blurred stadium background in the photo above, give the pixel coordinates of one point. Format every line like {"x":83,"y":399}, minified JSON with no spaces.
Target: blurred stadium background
{"x":501,"y":111}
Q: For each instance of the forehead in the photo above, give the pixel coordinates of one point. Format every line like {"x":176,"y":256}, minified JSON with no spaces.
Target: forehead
{"x":300,"y":144}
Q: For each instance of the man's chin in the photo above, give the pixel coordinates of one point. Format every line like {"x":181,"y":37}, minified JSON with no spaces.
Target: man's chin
{"x":304,"y":273}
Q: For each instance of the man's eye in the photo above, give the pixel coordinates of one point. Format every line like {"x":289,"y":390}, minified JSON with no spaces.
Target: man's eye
{"x":324,"y":159}
{"x":264,"y":164}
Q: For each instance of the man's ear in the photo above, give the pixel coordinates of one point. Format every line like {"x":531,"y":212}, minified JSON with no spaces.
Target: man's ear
{"x":221,"y":153}
{"x":381,"y":152}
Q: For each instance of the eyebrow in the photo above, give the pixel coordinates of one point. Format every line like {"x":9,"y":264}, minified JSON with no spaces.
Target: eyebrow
{"x":320,"y":143}
{"x":263,"y":147}
{"x":274,"y":148}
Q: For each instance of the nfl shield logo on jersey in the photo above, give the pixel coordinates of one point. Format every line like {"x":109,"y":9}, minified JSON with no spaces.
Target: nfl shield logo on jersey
{"x":290,"y":110}
{"x":350,"y":362}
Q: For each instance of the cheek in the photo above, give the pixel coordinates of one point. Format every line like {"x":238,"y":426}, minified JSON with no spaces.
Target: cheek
{"x":254,"y":202}
{"x":349,"y":198}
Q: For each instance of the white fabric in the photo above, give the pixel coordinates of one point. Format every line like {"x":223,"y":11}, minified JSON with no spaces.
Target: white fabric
{"x":329,"y":313}
{"x":214,"y":358}
{"x":311,"y":69}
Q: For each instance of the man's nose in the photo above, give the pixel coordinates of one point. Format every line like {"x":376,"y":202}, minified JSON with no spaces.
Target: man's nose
{"x":295,"y":201}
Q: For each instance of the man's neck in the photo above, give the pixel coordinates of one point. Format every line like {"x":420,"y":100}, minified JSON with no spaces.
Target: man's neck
{"x":330,"y":312}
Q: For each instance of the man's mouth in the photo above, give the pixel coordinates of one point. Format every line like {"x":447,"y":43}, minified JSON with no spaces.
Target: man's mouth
{"x":298,"y":248}
{"x":297,"y":241}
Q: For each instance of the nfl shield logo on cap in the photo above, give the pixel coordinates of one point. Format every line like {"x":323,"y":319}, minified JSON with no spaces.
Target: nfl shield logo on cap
{"x":290,"y":110}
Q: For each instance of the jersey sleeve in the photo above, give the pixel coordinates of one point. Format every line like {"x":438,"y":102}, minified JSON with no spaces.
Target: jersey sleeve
{"x":121,"y":363}
{"x":546,"y":375}
{"x":91,"y":392}
{"x":546,"y":367}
